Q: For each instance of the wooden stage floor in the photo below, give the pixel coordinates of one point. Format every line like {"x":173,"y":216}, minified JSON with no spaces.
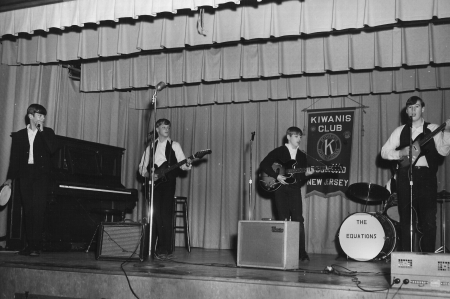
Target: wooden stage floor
{"x":200,"y":274}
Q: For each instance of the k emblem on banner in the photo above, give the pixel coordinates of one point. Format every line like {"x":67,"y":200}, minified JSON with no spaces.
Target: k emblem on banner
{"x":330,"y":134}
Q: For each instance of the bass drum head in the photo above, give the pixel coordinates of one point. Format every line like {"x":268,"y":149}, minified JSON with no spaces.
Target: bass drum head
{"x":365,"y":236}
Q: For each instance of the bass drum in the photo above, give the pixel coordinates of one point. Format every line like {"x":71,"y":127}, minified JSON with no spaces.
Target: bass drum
{"x":367,"y":236}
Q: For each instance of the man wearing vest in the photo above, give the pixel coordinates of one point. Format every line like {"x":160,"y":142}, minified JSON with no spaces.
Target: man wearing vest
{"x":167,"y":152}
{"x":424,"y":174}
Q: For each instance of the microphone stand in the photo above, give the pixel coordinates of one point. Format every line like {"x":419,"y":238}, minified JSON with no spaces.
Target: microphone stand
{"x":152,"y":177}
{"x":250,"y":181}
{"x":411,"y":183}
{"x":158,"y":87}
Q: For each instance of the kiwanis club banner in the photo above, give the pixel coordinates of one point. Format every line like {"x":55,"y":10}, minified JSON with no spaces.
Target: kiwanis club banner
{"x":330,"y":134}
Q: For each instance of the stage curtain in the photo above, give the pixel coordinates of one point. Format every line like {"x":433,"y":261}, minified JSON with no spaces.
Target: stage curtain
{"x":93,"y":39}
{"x":353,"y":83}
{"x":218,"y":185}
{"x":251,"y":18}
{"x":106,"y":118}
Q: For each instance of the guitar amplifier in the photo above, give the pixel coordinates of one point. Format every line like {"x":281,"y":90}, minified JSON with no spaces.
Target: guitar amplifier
{"x":122,"y":241}
{"x":268,"y":244}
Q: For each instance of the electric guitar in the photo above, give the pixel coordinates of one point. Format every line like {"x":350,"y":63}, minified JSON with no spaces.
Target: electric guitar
{"x":417,"y":144}
{"x":163,"y":170}
{"x":288,"y":170}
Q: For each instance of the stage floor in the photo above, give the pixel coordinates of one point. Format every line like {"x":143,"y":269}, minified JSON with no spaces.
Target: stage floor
{"x":200,"y":274}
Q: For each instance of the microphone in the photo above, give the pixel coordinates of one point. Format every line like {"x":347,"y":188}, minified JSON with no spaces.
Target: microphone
{"x":38,"y":126}
{"x":253,"y":136}
{"x":410,"y":121}
{"x":160,"y":86}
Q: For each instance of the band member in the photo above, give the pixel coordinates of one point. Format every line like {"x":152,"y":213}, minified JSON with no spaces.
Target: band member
{"x":424,"y":171}
{"x":167,"y":152}
{"x":29,"y":165}
{"x":288,"y":198}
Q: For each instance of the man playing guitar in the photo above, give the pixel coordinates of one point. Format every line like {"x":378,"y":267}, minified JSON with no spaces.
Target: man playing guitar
{"x":429,"y":145}
{"x":288,"y":198}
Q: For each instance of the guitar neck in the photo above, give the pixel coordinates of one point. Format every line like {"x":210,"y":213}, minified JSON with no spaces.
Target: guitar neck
{"x":301,"y":170}
{"x":178,"y":164}
{"x":432,"y":134}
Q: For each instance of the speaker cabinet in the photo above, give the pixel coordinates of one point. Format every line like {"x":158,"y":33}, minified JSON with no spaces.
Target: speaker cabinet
{"x":122,"y":241}
{"x":268,"y":244}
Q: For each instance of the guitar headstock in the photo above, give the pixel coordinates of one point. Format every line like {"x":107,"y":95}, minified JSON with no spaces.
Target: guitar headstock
{"x":200,"y":154}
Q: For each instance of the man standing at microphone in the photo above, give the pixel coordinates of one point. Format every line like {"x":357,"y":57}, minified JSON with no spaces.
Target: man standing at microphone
{"x":167,"y":153}
{"x":424,"y":174}
{"x":29,"y":166}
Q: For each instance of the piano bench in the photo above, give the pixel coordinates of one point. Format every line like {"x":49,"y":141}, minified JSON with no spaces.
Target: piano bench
{"x":109,"y":214}
{"x":182,"y":203}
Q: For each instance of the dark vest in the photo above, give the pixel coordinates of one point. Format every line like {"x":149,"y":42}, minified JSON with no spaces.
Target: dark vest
{"x":431,"y":154}
{"x":171,"y":160}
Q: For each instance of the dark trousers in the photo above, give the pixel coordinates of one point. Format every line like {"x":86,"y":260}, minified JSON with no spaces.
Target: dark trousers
{"x":288,"y":202}
{"x":424,"y":204}
{"x":33,"y":189}
{"x":163,"y":216}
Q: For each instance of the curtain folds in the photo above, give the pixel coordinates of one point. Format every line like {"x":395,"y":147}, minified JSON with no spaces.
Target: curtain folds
{"x":280,"y":18}
{"x":217,"y":186}
{"x":250,"y":21}
{"x":320,"y":85}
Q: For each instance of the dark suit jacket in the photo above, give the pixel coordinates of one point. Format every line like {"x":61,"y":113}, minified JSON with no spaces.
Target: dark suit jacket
{"x":44,"y":145}
{"x":281,"y":154}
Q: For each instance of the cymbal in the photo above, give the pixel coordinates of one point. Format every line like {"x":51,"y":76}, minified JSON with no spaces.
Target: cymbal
{"x":368,"y":192}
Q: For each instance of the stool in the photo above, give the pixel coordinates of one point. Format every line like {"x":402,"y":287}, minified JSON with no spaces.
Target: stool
{"x":108,"y":216}
{"x":181,"y":202}
{"x":442,"y":198}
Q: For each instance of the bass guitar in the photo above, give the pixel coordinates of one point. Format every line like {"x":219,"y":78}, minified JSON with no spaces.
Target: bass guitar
{"x":288,"y":170}
{"x":417,"y":144}
{"x":162,"y":171}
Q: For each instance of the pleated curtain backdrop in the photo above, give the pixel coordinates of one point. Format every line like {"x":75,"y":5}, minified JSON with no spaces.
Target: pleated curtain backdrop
{"x":217,"y":186}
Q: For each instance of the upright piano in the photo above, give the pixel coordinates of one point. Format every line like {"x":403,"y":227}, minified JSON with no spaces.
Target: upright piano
{"x":85,"y":179}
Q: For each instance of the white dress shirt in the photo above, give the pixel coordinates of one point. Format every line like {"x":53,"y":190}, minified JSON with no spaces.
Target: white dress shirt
{"x":31,"y":137}
{"x":441,"y":140}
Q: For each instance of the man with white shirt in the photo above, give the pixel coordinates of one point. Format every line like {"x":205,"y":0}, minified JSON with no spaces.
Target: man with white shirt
{"x":167,"y":153}
{"x":29,"y":166}
{"x":288,"y":197}
{"x":424,"y":174}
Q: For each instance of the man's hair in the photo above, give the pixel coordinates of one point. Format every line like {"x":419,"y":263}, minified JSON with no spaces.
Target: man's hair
{"x":36,"y":108}
{"x":162,"y":121}
{"x":294,"y":131}
{"x":413,"y":100}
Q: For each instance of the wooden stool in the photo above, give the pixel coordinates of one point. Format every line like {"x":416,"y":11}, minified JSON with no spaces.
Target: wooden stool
{"x":181,"y":202}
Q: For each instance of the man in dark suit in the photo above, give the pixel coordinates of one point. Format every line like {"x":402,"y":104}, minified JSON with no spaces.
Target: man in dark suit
{"x":288,"y":198}
{"x":29,"y":166}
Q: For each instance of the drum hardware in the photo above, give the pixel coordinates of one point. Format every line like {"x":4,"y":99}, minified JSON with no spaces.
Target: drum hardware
{"x":443,"y":197}
{"x":5,"y":194}
{"x":367,"y":236}
{"x":368,"y":192}
{"x":390,"y":209}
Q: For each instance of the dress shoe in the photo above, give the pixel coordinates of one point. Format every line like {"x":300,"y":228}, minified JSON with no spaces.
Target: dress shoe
{"x":35,"y":253}
{"x":26,"y":251}
{"x":304,"y":257}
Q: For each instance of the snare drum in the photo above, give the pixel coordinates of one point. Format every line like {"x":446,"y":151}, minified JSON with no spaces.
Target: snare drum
{"x":5,"y":194}
{"x":391,"y":208}
{"x":367,"y":236}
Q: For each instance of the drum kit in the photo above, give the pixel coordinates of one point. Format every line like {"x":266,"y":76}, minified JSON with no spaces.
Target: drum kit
{"x":366,"y":236}
{"x":5,"y":194}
